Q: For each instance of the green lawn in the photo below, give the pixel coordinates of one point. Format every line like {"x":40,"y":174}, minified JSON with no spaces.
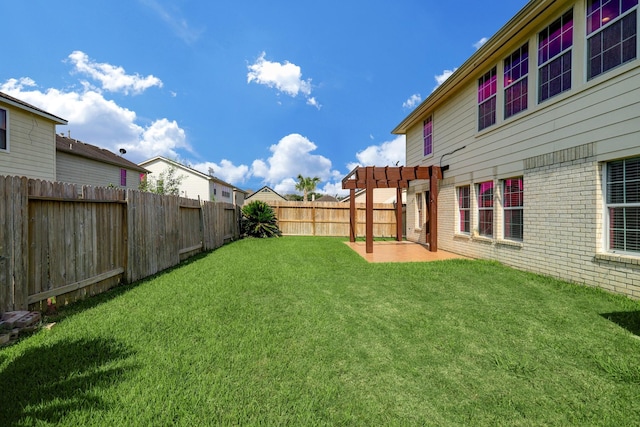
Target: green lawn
{"x":302,"y":331}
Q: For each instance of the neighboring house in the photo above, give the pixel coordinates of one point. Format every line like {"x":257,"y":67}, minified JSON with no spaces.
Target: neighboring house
{"x":326,"y":198}
{"x":27,"y":139}
{"x":538,"y":136}
{"x":195,"y":184}
{"x":380,"y":195}
{"x":265,"y":194}
{"x":85,"y":164}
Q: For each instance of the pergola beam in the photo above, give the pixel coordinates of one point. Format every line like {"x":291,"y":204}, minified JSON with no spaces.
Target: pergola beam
{"x":371,"y":177}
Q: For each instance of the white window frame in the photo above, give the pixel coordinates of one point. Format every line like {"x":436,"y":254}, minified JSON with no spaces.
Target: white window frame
{"x":480,"y":208}
{"x":600,"y":30}
{"x":461,"y":209}
{"x":506,"y":208}
{"x":608,"y":206}
{"x":419,"y":208}
{"x":7,"y":132}
{"x":570,"y":50}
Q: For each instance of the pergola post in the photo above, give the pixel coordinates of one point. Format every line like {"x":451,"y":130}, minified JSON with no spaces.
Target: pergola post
{"x":399,"y":214}
{"x":435,"y":173}
{"x":352,"y":215}
{"x":369,"y":209}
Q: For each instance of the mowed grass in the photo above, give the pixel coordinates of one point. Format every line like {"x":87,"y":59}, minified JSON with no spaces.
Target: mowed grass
{"x":302,"y":331}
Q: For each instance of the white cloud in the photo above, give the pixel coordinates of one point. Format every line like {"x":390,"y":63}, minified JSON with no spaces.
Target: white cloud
{"x":480,"y":42}
{"x":285,"y":77}
{"x":413,"y":100}
{"x":333,"y":189}
{"x":291,"y":156}
{"x":112,"y":78}
{"x":441,"y":78}
{"x":98,"y":121}
{"x":226,"y":171}
{"x":388,"y":153}
{"x":175,"y":20}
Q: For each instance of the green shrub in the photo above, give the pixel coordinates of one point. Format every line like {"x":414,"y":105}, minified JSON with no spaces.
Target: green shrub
{"x":259,"y":220}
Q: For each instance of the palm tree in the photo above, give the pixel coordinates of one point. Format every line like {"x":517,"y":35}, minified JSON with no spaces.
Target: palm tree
{"x":307,"y":185}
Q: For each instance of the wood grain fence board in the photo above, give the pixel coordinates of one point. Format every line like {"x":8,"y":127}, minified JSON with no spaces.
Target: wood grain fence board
{"x":62,"y":240}
{"x":20,"y":230}
{"x":332,"y":219}
{"x":6,"y":268}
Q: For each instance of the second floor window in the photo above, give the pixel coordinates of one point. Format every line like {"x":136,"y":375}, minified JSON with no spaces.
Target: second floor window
{"x":487,"y":89}
{"x":554,"y":57}
{"x":611,"y":34}
{"x":516,"y":68}
{"x":427,"y":134}
{"x":3,"y":129}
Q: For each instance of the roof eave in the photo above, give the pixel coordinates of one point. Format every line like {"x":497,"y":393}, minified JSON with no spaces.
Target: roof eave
{"x":492,"y":50}
{"x":32,"y":109}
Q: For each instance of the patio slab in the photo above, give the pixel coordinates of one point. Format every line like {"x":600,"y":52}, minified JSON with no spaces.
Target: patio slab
{"x":393,"y":251}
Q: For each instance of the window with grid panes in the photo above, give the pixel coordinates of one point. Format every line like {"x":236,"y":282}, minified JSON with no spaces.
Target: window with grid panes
{"x":611,"y":34}
{"x":419,"y":208}
{"x":513,"y":205}
{"x":487,"y":89}
{"x":485,"y":209}
{"x":516,"y":69}
{"x":427,"y":135}
{"x":554,"y":57}
{"x":623,"y":205}
{"x":3,"y":129}
{"x":464,"y":209}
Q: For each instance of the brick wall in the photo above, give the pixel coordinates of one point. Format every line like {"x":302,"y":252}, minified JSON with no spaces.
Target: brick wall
{"x":563,"y":224}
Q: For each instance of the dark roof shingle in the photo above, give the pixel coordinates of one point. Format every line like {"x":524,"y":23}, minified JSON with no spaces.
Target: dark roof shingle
{"x":79,"y":148}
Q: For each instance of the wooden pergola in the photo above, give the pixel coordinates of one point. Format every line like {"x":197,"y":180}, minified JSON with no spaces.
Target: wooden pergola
{"x":371,"y":177}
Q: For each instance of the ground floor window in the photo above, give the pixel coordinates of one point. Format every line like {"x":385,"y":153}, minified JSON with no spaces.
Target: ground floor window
{"x":513,"y":208}
{"x":419,"y":209}
{"x":464,"y":209}
{"x":485,"y":209}
{"x":623,"y":204}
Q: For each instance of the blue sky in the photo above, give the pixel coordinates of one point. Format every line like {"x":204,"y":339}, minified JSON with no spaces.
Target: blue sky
{"x":259,"y":91}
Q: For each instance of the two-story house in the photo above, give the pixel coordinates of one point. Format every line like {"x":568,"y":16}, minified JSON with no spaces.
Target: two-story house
{"x":538,"y":136}
{"x":85,"y":164}
{"x":27,"y":139}
{"x":195,"y":184}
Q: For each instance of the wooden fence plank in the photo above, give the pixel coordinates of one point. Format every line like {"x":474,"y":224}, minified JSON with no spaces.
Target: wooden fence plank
{"x":5,"y":245}
{"x":333,"y":219}
{"x":65,"y":240}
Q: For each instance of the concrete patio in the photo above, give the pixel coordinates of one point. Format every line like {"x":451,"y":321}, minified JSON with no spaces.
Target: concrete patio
{"x":393,"y":251}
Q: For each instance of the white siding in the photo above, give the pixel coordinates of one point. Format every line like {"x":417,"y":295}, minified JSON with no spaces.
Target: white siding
{"x":193,"y":186}
{"x":32,"y":146}
{"x":558,"y":147}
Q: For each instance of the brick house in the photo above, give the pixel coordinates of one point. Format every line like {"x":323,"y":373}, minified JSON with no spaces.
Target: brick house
{"x":538,"y":136}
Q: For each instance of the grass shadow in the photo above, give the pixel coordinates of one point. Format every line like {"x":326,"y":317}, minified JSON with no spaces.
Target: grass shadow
{"x":48,"y":382}
{"x":630,"y":320}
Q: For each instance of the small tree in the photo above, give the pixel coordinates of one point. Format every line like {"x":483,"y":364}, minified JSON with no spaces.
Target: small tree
{"x":307,"y":185}
{"x":259,"y":220}
{"x":167,"y":183}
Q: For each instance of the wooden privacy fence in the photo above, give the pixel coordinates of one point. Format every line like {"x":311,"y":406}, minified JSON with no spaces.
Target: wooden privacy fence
{"x":66,"y":240}
{"x":332,"y":218}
